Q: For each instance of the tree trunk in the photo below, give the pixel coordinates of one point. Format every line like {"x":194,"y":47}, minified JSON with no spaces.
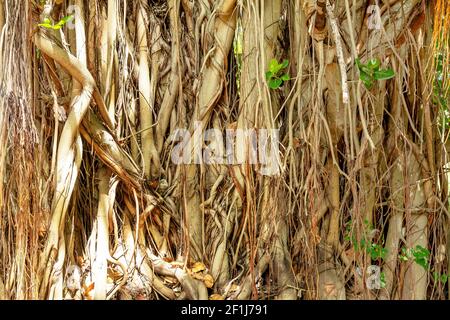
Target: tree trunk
{"x":179,"y":149}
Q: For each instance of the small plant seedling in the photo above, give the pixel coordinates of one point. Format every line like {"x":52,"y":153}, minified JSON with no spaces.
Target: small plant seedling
{"x":370,"y":72}
{"x":404,"y":256}
{"x":442,"y":278}
{"x":375,"y":250}
{"x":48,"y":24}
{"x":275,"y":77}
{"x":441,"y":91}
{"x":382,"y":280}
{"x":238,"y":50}
{"x":419,"y":254}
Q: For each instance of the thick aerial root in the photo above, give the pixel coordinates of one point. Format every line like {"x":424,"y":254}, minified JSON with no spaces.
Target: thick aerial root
{"x":55,"y":245}
{"x":394,"y":231}
{"x":283,"y":273}
{"x":244,"y":292}
{"x":331,"y":285}
{"x":361,"y":174}
{"x":193,"y":288}
{"x":99,"y":269}
{"x":210,"y":90}
{"x":416,"y":276}
{"x":68,"y":154}
{"x":110,"y":151}
{"x":145,"y":100}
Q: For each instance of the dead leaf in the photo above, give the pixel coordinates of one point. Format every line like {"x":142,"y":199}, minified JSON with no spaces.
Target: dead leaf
{"x":114,"y":274}
{"x":154,"y":184}
{"x":87,"y":290}
{"x":198,"y":267}
{"x":208,"y":280}
{"x":216,"y":296}
{"x":80,"y":260}
{"x":234,"y":287}
{"x":198,"y":276}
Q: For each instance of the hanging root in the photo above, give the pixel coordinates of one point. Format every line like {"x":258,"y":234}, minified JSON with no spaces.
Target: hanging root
{"x":302,"y":174}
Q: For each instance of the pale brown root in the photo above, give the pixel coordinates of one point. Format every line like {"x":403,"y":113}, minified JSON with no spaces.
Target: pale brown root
{"x":394,"y":231}
{"x":416,"y":276}
{"x":210,"y":90}
{"x":194,"y":289}
{"x":359,"y":173}
{"x":102,"y":242}
{"x":112,"y":154}
{"x":171,"y":94}
{"x":145,"y":100}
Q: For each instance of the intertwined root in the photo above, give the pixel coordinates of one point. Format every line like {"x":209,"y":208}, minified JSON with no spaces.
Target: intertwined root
{"x":87,"y":118}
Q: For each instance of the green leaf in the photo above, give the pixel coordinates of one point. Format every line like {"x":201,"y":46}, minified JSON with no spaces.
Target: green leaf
{"x":374,"y":64}
{"x":443,"y":278}
{"x":46,"y":25}
{"x":47,"y":21}
{"x":66,"y":19}
{"x":384,"y":252}
{"x":269,"y":75}
{"x":355,"y":244}
{"x":63,"y":21}
{"x":285,"y":77}
{"x":363,"y":67}
{"x":382,"y":279}
{"x":421,"y":251}
{"x":366,"y":79}
{"x":436,"y":276}
{"x":238,"y":48}
{"x":384,"y":74}
{"x":440,"y":60}
{"x":358,"y":63}
{"x":363,"y":243}
{"x":275,"y":83}
{"x":421,"y":256}
{"x":274,"y":66}
{"x":284,"y":64}
{"x":376,"y":251}
{"x":404,"y":256}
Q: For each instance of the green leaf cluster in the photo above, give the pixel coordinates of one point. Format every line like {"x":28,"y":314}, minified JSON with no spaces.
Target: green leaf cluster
{"x":370,"y":72}
{"x":47,"y":23}
{"x":419,"y":254}
{"x":275,"y":76}
{"x":441,"y":91}
{"x":382,"y":279}
{"x":375,"y":250}
{"x":442,"y":278}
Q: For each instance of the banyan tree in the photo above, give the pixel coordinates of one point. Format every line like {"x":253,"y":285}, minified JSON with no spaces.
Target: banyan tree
{"x":109,"y":111}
